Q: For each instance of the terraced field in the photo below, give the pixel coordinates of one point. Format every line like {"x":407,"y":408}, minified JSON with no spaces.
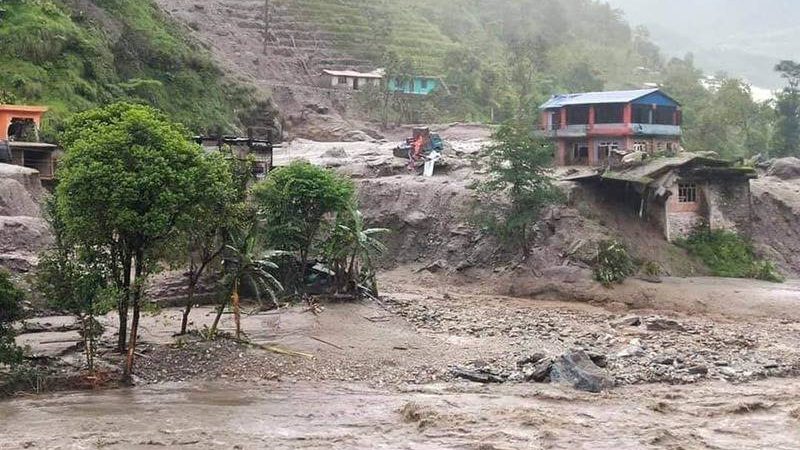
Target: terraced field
{"x":366,"y":29}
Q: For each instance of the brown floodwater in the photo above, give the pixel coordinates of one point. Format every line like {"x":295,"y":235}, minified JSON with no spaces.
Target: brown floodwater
{"x":715,"y":415}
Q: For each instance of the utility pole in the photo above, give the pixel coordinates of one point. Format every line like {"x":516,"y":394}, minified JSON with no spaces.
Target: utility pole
{"x":266,"y":24}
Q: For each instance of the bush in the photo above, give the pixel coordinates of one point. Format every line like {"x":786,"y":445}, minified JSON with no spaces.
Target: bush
{"x":10,"y":310}
{"x":613,"y":264}
{"x":728,"y":254}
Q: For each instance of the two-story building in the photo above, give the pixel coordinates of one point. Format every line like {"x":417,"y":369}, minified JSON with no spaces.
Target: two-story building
{"x":589,"y":127}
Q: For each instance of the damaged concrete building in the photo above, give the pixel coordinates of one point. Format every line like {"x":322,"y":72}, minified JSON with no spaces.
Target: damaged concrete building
{"x":19,"y":140}
{"x":678,"y":193}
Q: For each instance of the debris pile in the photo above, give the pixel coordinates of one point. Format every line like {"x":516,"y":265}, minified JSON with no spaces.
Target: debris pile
{"x":596,"y":350}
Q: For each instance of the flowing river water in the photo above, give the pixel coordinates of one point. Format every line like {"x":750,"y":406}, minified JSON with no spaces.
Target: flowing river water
{"x":719,"y":415}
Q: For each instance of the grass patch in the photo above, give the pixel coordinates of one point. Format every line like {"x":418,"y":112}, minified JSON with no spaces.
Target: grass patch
{"x":728,"y":254}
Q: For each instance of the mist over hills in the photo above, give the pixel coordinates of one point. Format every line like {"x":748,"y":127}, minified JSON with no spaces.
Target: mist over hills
{"x":738,"y":37}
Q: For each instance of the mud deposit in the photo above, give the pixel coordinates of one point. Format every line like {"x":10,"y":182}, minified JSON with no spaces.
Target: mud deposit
{"x":303,"y":415}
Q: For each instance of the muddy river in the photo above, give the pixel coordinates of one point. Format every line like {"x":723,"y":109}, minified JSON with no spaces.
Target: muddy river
{"x":715,"y":415}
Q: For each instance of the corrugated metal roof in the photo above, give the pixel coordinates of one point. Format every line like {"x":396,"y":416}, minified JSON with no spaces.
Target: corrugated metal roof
{"x":354,"y":74}
{"x":591,"y":98}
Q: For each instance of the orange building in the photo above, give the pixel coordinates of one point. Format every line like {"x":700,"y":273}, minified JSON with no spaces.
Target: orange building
{"x":16,"y":116}
{"x":19,"y":139}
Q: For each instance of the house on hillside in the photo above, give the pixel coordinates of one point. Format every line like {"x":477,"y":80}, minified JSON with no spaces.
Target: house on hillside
{"x":677,"y":193}
{"x":589,"y":128}
{"x":351,"y":79}
{"x":19,"y":140}
{"x":416,"y":85}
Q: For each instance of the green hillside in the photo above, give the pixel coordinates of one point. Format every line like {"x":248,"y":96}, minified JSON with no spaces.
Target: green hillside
{"x":71,"y":59}
{"x":487,"y":48}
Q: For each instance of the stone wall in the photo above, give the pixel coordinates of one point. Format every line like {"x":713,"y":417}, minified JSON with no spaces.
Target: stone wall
{"x":729,"y":205}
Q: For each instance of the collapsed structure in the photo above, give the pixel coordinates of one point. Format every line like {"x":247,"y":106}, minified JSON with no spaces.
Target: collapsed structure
{"x":19,"y":140}
{"x":629,"y":146}
{"x":678,"y":193}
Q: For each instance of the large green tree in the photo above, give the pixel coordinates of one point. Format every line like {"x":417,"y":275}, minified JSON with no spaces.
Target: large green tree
{"x":786,"y":140}
{"x":298,"y":202}
{"x":519,"y":184}
{"x":129,"y":182}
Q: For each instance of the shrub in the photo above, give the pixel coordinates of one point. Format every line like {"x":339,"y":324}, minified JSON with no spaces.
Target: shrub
{"x":728,"y":254}
{"x":766,"y":270}
{"x":10,"y":310}
{"x":613,"y":264}
{"x":652,"y":269}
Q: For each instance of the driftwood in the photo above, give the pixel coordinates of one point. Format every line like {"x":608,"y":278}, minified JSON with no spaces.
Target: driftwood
{"x":275,"y":349}
{"x":326,"y":342}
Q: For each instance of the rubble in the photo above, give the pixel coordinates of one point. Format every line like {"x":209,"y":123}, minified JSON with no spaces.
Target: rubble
{"x":785,"y":168}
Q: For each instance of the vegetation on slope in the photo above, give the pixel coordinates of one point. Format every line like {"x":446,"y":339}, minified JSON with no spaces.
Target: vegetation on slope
{"x":729,"y":255}
{"x":76,"y":54}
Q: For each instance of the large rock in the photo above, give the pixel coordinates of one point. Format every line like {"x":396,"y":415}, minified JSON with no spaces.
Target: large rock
{"x":23,"y":232}
{"x":785,"y":168}
{"x":577,"y":369}
{"x":20,"y":191}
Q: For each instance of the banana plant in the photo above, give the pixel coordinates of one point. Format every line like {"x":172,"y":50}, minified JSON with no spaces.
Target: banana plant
{"x":246,"y":263}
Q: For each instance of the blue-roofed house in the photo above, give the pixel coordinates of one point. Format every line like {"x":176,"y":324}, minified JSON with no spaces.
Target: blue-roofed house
{"x":588,"y":127}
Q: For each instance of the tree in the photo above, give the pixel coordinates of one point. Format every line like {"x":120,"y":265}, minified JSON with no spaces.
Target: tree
{"x":73,"y":279}
{"x":730,"y":122}
{"x":217,"y":213}
{"x":297,"y":201}
{"x":129,"y":182}
{"x":245,"y":262}
{"x":10,"y":311}
{"x":350,"y":249}
{"x":518,"y":168}
{"x":786,"y":140}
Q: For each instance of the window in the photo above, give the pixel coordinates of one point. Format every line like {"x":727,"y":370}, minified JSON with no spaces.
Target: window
{"x":342,"y":80}
{"x":605,"y":148}
{"x":665,"y":115}
{"x":640,"y":146}
{"x":580,"y":152}
{"x":612,"y":113}
{"x":641,"y":114}
{"x":577,"y":115}
{"x":687,"y":193}
{"x":423,"y":84}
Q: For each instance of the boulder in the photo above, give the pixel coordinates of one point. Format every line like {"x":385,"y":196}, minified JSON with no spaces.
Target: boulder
{"x":20,"y":191}
{"x":627,"y":321}
{"x":785,"y":168}
{"x":577,"y":369}
{"x":478,"y":376}
{"x":662,"y":324}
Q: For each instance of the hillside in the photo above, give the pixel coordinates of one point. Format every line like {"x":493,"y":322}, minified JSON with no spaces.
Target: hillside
{"x":495,"y":55}
{"x":75,"y":54}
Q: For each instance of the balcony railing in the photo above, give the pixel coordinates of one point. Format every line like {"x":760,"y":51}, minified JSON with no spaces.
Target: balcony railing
{"x":584,"y":130}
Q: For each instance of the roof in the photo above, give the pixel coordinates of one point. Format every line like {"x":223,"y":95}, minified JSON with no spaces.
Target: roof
{"x":593,"y":98}
{"x":31,"y":145}
{"x":648,"y":172}
{"x":24,"y":108}
{"x":377,"y":74}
